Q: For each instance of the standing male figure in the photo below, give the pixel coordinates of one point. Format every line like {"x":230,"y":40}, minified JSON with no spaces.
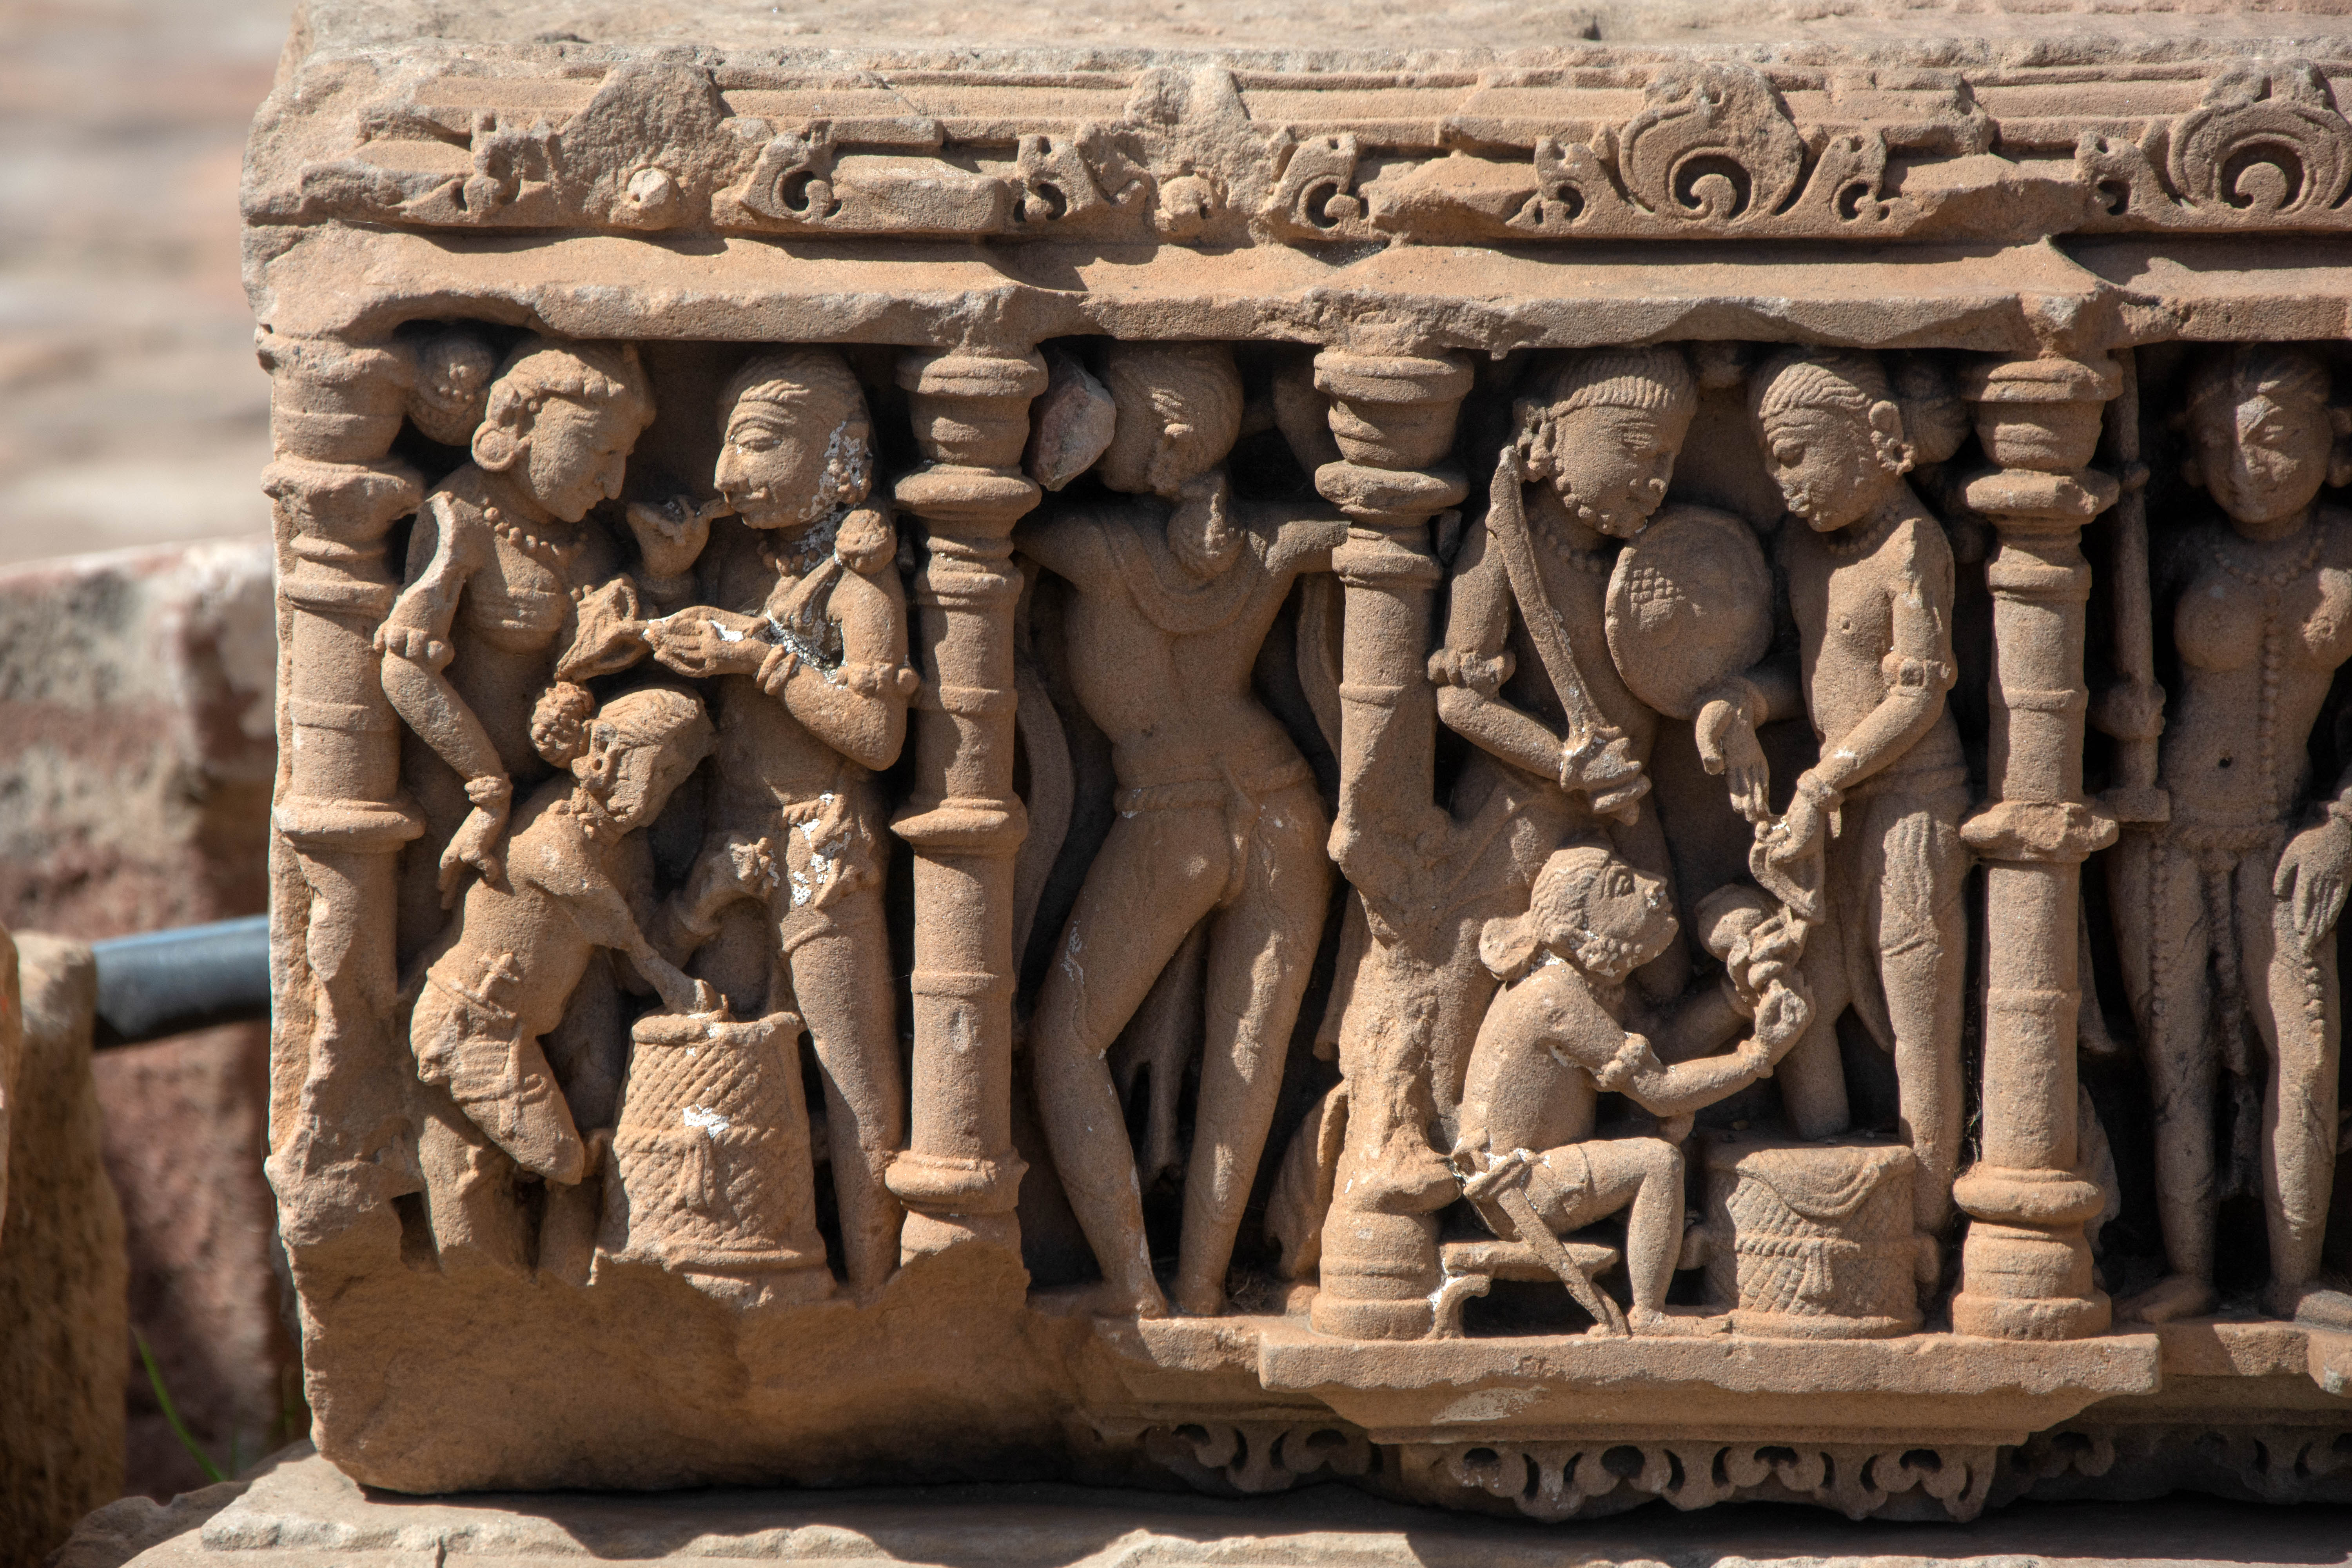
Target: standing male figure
{"x":805,"y":629}
{"x":1218,"y":814}
{"x":1871,"y":585}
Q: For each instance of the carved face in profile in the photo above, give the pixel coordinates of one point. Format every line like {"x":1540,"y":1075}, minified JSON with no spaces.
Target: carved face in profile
{"x":797,"y":443}
{"x":1611,"y":467}
{"x":2263,"y":433}
{"x":1832,"y":439}
{"x":1593,"y":907}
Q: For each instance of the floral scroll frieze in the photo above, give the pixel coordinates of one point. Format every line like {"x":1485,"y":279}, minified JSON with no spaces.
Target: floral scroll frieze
{"x":1686,"y":150}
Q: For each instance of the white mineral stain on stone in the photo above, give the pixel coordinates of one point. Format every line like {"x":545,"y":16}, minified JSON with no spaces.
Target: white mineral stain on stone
{"x":807,"y":884}
{"x":710,"y":1121}
{"x":1487,"y":1404}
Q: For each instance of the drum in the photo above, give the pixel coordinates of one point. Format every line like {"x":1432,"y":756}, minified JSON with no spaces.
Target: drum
{"x":1690,"y":606}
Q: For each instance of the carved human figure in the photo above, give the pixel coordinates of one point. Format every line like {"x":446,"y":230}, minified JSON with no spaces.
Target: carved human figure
{"x":511,"y":596}
{"x":1875,"y":824}
{"x":804,"y":630}
{"x":1218,"y":814}
{"x":498,"y":978}
{"x":1532,"y":684}
{"x":1556,"y":1039}
{"x":2225,"y":915}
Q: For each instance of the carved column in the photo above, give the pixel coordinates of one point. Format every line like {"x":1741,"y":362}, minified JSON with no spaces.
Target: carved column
{"x":959,"y":1177}
{"x":340,"y":813}
{"x":2026,"y":1266}
{"x":1393,"y":416}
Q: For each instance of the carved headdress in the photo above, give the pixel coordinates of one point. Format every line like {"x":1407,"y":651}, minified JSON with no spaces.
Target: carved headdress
{"x":1656,"y":380}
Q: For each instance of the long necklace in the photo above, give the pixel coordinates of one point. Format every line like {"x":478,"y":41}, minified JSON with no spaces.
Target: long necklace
{"x":2273,"y":582}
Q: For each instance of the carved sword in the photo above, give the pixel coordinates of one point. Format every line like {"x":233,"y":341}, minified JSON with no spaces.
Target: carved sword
{"x":1596,"y":757}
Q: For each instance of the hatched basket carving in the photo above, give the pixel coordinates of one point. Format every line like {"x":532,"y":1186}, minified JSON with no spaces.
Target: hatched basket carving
{"x":1811,"y":1240}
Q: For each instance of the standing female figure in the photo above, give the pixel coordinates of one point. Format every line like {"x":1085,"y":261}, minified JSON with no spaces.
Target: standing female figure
{"x":2226,"y":915}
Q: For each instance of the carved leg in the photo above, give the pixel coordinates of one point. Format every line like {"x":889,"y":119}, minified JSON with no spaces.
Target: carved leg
{"x":2296,"y":1001}
{"x":1647,"y":1172}
{"x":470,"y":1192}
{"x":1260,"y":952}
{"x":1813,"y":1075}
{"x":2174,"y":1025}
{"x":1921,"y":930}
{"x":842,"y":981}
{"x":1155,"y":876}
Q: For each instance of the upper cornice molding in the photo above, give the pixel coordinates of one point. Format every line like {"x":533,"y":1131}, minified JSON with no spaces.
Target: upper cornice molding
{"x":1992,"y":139}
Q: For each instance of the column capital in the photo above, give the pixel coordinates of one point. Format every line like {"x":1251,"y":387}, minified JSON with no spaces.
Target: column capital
{"x":2041,"y":413}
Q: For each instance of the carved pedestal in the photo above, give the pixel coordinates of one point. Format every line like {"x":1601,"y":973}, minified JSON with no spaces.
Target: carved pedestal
{"x":1804,"y":1241}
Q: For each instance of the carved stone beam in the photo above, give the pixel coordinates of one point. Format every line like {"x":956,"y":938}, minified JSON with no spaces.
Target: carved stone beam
{"x":959,"y":1177}
{"x":2026,"y":1266}
{"x":334,"y":410}
{"x":1393,"y":416}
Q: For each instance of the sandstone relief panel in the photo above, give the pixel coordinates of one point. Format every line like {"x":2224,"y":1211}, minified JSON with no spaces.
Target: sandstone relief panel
{"x":1536,"y":880}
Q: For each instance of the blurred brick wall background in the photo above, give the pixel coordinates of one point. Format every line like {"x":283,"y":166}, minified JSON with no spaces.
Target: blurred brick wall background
{"x":135,"y":687}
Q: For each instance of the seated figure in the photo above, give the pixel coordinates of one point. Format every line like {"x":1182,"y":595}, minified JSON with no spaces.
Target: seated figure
{"x":1554,"y":1041}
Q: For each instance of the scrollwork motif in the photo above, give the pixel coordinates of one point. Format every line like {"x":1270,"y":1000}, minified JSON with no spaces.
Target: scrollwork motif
{"x":1713,"y":145}
{"x":2267,"y":143}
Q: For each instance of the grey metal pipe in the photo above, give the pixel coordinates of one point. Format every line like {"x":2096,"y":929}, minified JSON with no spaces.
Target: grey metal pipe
{"x":164,"y":983}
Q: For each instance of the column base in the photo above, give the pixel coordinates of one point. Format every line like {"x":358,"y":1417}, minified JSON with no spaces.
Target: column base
{"x":2025,"y":1268}
{"x":929,"y":1235}
{"x":2043,"y":1317}
{"x":1347,"y":1318}
{"x":1381,"y":1276}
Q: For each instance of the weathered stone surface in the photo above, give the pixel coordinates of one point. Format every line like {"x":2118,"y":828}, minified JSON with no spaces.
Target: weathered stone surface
{"x":1336,"y":677}
{"x":300,"y":1511}
{"x":61,"y":1268}
{"x":137,"y":689}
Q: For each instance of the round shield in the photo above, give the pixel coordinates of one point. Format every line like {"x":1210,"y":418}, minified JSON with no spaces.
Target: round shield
{"x":1690,"y":606}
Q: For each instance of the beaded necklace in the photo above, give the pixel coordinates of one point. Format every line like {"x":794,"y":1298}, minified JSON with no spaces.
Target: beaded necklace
{"x":554,"y":551}
{"x":1870,"y":539}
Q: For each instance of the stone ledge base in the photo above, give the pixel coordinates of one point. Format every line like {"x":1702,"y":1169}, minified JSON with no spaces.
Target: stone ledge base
{"x":299,"y":1511}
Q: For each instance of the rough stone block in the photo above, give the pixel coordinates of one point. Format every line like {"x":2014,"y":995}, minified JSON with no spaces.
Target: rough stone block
{"x":138,"y":688}
{"x":62,"y":1271}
